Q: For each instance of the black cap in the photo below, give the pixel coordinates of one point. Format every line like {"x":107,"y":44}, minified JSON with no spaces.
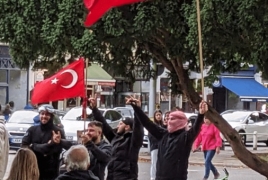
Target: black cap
{"x":128,"y":121}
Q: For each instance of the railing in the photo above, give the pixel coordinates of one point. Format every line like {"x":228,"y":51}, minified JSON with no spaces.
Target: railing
{"x":255,"y":138}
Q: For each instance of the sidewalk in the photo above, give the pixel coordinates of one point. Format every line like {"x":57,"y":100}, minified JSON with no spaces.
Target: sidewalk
{"x":224,"y":159}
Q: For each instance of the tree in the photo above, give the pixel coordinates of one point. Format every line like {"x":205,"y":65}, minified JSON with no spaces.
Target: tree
{"x":233,"y":31}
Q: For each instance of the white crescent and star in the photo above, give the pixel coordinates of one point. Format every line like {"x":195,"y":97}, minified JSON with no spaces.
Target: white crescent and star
{"x":74,"y":80}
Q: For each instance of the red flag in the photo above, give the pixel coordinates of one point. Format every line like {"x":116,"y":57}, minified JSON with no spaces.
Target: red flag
{"x":98,"y":8}
{"x":67,"y":83}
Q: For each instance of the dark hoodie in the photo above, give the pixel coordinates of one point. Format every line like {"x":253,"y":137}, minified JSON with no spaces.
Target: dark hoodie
{"x":173,"y":148}
{"x":78,"y":175}
{"x":37,"y":138}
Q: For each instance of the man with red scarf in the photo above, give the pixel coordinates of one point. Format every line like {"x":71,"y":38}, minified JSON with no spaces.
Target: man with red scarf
{"x":175,"y":142}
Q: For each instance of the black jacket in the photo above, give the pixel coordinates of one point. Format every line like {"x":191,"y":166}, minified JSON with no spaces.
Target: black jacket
{"x":100,"y":155}
{"x":153,"y":141}
{"x":78,"y":175}
{"x":174,"y":148}
{"x":47,"y":155}
{"x":125,"y":149}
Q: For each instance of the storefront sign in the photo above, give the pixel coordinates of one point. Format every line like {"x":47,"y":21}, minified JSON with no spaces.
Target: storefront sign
{"x":106,"y":83}
{"x":247,"y":100}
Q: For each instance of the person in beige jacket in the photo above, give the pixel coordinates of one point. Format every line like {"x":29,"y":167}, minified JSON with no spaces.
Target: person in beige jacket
{"x":4,"y":147}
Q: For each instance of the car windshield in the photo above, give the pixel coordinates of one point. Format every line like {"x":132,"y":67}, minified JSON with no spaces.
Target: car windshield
{"x":23,"y":117}
{"x":76,"y":113}
{"x":235,"y":116}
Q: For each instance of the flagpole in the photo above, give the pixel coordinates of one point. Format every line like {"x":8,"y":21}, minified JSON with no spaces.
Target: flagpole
{"x":200,"y":46}
{"x":85,"y":99}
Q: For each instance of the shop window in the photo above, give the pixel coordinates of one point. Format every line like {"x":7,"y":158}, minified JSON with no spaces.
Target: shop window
{"x":246,"y":105}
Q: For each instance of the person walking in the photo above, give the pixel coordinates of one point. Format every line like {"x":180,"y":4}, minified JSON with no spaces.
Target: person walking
{"x":154,"y":143}
{"x":211,"y":142}
{"x":47,"y":142}
{"x":77,"y":164}
{"x":126,"y":142}
{"x":4,"y":147}
{"x":7,"y":112}
{"x":175,"y":142}
{"x":98,"y":149}
{"x":24,"y":166}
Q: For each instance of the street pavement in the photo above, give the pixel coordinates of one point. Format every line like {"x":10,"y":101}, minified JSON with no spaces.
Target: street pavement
{"x":196,"y":172}
{"x":237,"y":170}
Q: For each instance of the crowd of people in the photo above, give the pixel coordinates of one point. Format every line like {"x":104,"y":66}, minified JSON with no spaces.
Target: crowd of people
{"x":171,"y":143}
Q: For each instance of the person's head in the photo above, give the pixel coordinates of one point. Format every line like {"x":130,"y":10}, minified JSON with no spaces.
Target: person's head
{"x":94,"y":131}
{"x":24,"y":166}
{"x":166,"y":117}
{"x":177,"y":120}
{"x":125,"y":126}
{"x":77,"y":158}
{"x":11,"y":103}
{"x":46,"y":113}
{"x":158,"y":117}
{"x":207,"y":121}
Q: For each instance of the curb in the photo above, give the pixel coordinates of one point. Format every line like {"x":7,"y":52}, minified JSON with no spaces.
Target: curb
{"x":144,"y":159}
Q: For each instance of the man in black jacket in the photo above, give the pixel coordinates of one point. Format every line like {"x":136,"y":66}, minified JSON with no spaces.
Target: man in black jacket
{"x":175,"y":143}
{"x":78,"y":161}
{"x":126,"y":144}
{"x":47,"y":141}
{"x":99,"y":150}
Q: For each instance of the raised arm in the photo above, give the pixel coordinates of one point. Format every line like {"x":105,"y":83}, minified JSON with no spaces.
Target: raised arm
{"x":155,"y":130}
{"x":107,"y":129}
{"x":193,"y":132}
{"x":138,"y":132}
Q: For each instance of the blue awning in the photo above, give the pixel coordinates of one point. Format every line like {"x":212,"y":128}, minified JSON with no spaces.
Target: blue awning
{"x":246,"y":88}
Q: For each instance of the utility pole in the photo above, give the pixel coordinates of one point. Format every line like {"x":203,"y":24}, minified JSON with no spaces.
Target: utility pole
{"x":152,"y":93}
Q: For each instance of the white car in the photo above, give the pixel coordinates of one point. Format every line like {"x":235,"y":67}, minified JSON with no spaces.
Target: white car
{"x":248,"y":122}
{"x":73,"y":122}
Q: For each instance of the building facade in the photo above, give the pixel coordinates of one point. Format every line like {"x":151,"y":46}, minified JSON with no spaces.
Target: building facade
{"x":13,"y":80}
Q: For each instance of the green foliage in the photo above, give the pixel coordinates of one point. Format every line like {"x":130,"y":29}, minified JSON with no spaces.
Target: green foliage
{"x":233,"y":31}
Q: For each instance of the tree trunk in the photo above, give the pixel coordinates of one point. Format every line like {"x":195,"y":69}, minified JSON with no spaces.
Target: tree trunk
{"x":232,"y":136}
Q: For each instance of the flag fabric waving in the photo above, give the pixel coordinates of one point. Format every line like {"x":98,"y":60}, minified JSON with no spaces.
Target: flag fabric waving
{"x":97,"y":8}
{"x":67,"y":83}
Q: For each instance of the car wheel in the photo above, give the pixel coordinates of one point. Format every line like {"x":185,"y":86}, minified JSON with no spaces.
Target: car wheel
{"x":243,"y":137}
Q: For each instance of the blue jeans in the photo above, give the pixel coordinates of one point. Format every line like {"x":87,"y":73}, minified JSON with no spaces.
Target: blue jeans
{"x":208,"y":164}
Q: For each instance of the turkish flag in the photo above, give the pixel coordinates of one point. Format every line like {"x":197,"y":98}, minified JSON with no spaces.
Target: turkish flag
{"x":67,"y":83}
{"x":98,"y":8}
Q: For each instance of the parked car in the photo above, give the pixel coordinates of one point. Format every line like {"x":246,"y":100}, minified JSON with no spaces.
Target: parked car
{"x":72,"y":121}
{"x":125,"y":111}
{"x":248,"y":122}
{"x":17,"y":125}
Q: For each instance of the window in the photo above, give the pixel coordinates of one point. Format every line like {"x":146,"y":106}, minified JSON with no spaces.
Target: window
{"x":246,"y":105}
{"x":115,"y":115}
{"x":108,"y":116}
